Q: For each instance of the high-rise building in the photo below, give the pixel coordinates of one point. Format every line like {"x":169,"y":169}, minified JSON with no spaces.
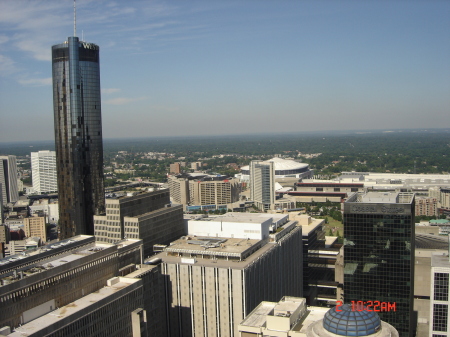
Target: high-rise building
{"x":8,"y":179}
{"x":43,"y":171}
{"x":213,"y":282}
{"x":440,"y":301}
{"x":379,"y":254}
{"x":145,"y":215}
{"x":78,"y":135}
{"x":262,"y":184}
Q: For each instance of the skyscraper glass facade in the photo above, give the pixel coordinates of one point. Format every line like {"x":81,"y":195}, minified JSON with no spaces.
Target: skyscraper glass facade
{"x":78,"y":135}
{"x":379,"y":254}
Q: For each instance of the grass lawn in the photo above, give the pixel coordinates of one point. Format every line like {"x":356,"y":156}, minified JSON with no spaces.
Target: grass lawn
{"x":332,"y":224}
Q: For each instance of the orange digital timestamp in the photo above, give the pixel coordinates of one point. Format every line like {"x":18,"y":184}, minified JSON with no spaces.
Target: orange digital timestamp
{"x":377,"y":306}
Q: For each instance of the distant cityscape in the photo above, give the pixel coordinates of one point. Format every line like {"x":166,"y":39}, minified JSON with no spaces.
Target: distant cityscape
{"x":307,"y":237}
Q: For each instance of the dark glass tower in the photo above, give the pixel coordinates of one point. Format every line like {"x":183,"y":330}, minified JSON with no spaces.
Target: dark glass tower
{"x":78,"y":135}
{"x":379,"y":254}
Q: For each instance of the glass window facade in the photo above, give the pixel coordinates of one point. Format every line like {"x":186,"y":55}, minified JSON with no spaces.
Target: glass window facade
{"x":78,"y":135}
{"x":379,"y":257}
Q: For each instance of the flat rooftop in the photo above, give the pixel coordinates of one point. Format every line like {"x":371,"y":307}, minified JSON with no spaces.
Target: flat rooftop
{"x":211,"y":246}
{"x":60,"y":258}
{"x":72,"y":308}
{"x":33,"y":252}
{"x":241,"y":217}
{"x":258,"y":317}
{"x":440,"y":260}
{"x":382,"y":197}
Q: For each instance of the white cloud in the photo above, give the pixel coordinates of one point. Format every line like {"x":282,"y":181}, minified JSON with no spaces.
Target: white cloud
{"x":37,"y":81}
{"x":107,"y":91}
{"x":122,"y":100}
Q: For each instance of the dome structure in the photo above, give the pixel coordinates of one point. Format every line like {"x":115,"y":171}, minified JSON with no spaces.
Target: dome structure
{"x":283,"y":167}
{"x":344,"y":321}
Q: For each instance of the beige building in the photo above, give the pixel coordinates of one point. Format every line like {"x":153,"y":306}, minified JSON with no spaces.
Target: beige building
{"x":426,"y":206}
{"x":203,"y":191}
{"x":4,"y":234}
{"x":110,"y":227}
{"x":214,"y":282}
{"x":196,"y":165}
{"x":147,"y":216}
{"x":292,"y":317}
{"x":35,"y":226}
{"x":175,"y":168}
{"x":179,"y":190}
{"x":217,"y":192}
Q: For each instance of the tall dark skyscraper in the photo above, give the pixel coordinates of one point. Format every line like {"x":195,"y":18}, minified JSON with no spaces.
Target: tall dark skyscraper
{"x":379,"y":255}
{"x":78,"y":135}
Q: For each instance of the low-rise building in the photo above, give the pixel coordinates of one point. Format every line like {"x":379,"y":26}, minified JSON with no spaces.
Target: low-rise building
{"x":35,"y":226}
{"x":43,"y":279}
{"x":292,"y":317}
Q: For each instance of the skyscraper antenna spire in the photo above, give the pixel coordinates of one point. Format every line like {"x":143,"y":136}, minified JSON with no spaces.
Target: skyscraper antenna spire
{"x":74,"y":18}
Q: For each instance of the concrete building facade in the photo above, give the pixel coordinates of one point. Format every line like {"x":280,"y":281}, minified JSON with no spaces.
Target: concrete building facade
{"x":146,"y":215}
{"x":440,"y":301}
{"x":160,"y":226}
{"x":8,"y":179}
{"x":203,"y":190}
{"x":35,"y":226}
{"x":213,"y":283}
{"x":43,"y":170}
{"x":427,"y":206}
{"x":56,"y":275}
{"x":262,"y":184}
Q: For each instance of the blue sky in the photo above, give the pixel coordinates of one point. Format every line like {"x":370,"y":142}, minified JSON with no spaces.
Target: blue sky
{"x":233,"y":67}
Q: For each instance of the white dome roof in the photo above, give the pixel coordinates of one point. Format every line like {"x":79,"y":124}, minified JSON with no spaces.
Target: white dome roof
{"x":281,"y":164}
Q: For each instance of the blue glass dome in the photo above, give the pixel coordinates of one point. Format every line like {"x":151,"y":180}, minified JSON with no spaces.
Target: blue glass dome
{"x":346,"y":322}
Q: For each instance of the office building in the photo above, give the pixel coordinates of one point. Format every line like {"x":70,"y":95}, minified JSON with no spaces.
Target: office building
{"x":35,"y":226}
{"x":439,"y":299}
{"x":214,"y":282}
{"x":160,"y":226}
{"x":179,"y":189}
{"x":113,"y":310}
{"x":144,"y":215}
{"x":203,"y":189}
{"x":292,"y":317}
{"x":78,"y":135}
{"x":262,"y":184}
{"x":379,"y":253}
{"x":4,"y":234}
{"x":2,"y":220}
{"x":43,"y":279}
{"x":8,"y":179}
{"x":43,"y":170}
{"x":175,"y":168}
{"x":322,"y":256}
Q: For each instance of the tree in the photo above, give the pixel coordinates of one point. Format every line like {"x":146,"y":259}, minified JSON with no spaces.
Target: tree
{"x":330,"y":233}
